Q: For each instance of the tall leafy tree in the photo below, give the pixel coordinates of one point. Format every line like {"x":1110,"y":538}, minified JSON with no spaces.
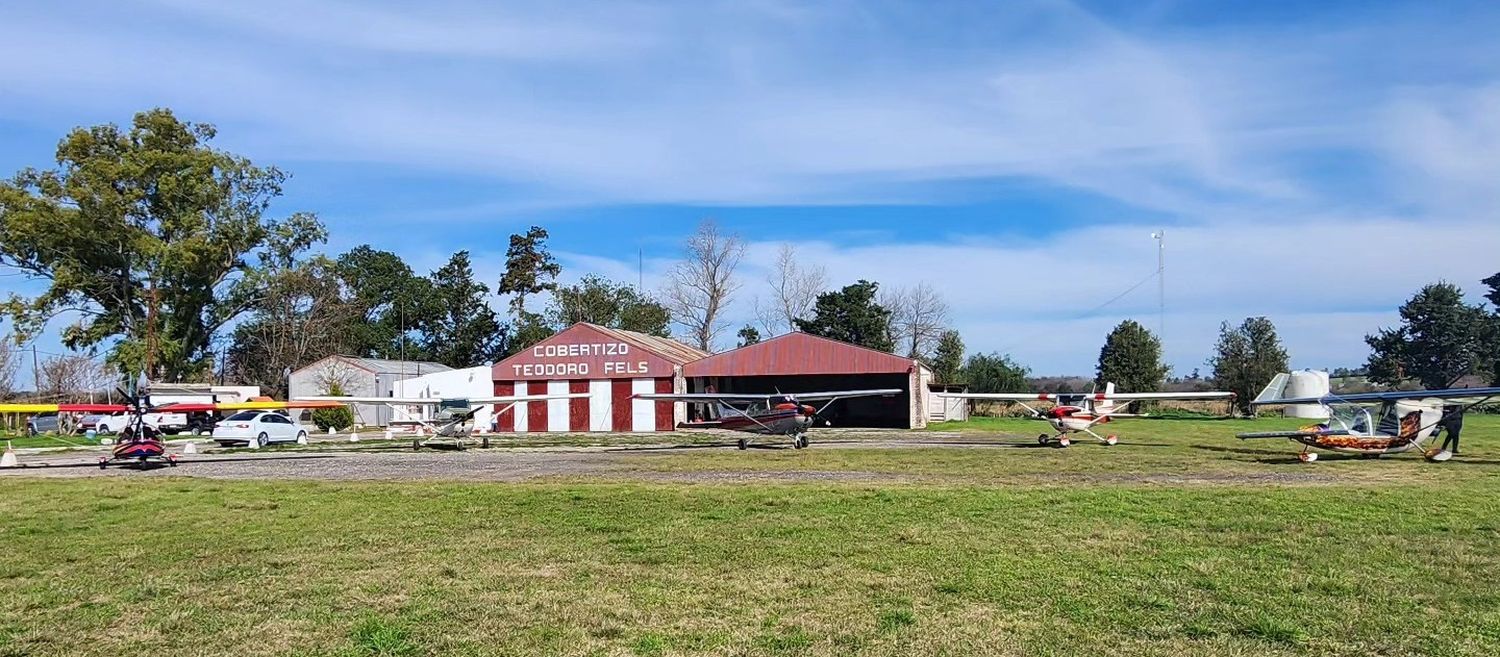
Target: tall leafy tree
{"x":598,"y":300}
{"x":1440,"y":340}
{"x":1245,"y":358}
{"x":948,"y":358}
{"x":995,"y":372}
{"x":153,"y":237}
{"x":388,"y":300}
{"x":851,"y":315}
{"x":1131,"y":359}
{"x":463,"y":331}
{"x":1493,"y":295}
{"x":529,"y":269}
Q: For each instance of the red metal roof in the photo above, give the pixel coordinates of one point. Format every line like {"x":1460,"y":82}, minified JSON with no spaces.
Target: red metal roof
{"x":799,"y":353}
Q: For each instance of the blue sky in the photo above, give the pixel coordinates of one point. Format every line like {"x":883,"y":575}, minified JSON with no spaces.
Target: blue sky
{"x":1312,"y":162}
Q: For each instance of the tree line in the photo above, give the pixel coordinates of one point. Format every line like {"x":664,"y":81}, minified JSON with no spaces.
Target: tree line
{"x":161,"y":251}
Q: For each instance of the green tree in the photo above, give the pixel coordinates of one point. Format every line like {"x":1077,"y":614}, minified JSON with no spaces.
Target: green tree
{"x":389,"y":301}
{"x":463,"y":331}
{"x":1246,"y":358}
{"x":851,"y":315}
{"x":156,"y":239}
{"x":1493,"y":283}
{"x":527,"y":330}
{"x":1440,"y":340}
{"x":748,"y":335}
{"x":529,"y":269}
{"x":598,"y":300}
{"x":1131,"y":359}
{"x":995,"y":372}
{"x":337,"y":418}
{"x":948,"y":358}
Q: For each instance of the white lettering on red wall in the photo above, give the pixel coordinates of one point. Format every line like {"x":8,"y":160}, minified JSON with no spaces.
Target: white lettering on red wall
{"x":581,"y":360}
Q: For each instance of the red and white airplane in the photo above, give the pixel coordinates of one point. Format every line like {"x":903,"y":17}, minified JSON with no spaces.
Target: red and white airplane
{"x":776,"y":414}
{"x":1081,"y":412}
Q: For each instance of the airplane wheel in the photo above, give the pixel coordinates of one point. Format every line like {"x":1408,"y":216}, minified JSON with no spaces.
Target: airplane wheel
{"x":1438,"y":455}
{"x":103,"y":462}
{"x":1111,"y":440}
{"x":172,"y":460}
{"x":1042,"y":439}
{"x":1063,"y":442}
{"x":1307,"y":457}
{"x":744,"y":444}
{"x":804,"y":441}
{"x":484,"y":442}
{"x":416,"y":444}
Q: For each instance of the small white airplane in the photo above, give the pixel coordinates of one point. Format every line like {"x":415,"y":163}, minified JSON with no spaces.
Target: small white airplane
{"x":1081,"y":412}
{"x":775,"y":414}
{"x":453,"y":421}
{"x":1402,"y":421}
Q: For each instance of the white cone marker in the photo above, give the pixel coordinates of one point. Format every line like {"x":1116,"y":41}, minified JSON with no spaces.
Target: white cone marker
{"x":9,"y":459}
{"x":190,"y":448}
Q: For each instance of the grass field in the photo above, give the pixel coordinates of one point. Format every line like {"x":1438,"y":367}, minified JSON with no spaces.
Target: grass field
{"x":1180,"y":541}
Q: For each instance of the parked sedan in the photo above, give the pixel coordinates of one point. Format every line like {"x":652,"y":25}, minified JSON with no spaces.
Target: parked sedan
{"x":37,"y":424}
{"x":258,"y":429}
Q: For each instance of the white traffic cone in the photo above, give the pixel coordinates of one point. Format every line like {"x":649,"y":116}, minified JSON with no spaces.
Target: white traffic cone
{"x":388,"y":434}
{"x":353,"y":436}
{"x":190,"y":448}
{"x":9,"y":459}
{"x":331,"y":431}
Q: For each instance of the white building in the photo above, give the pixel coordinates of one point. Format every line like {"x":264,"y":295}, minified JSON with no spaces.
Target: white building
{"x":467,"y":383}
{"x":360,"y":377}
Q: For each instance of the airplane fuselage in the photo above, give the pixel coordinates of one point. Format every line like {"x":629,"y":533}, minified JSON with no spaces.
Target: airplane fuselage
{"x":1072,"y":419}
{"x":781,"y":420}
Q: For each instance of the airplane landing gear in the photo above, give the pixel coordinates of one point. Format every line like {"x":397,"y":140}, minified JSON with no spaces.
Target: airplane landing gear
{"x":799,"y":441}
{"x":1112,"y":440}
{"x":1043,"y":439}
{"x":103,"y":461}
{"x":1062,"y":441}
{"x":744,"y":444}
{"x":1307,"y":457}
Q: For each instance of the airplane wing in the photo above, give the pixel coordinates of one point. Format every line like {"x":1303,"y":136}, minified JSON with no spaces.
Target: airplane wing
{"x":1455,"y":395}
{"x":416,"y":401}
{"x":63,"y":408}
{"x":1096,"y":396}
{"x":262,"y":405}
{"x":1296,"y":433}
{"x":751,"y":397}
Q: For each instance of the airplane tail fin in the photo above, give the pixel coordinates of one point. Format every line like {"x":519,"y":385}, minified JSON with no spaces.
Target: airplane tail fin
{"x":1106,"y":403}
{"x":1274,"y":390}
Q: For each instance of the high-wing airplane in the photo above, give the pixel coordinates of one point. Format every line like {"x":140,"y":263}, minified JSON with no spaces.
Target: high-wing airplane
{"x":1401,"y":420}
{"x":139,"y":441}
{"x":775,"y":414}
{"x":1081,"y":412}
{"x":453,"y":421}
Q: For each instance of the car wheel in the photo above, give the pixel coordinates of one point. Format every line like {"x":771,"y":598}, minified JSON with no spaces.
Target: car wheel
{"x":103,"y":428}
{"x":262,"y":439}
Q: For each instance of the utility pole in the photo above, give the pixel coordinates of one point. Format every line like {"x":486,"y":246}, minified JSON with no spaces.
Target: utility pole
{"x":36,"y":373}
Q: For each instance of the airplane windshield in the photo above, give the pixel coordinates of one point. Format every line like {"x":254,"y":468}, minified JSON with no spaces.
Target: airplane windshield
{"x":1355,"y":419}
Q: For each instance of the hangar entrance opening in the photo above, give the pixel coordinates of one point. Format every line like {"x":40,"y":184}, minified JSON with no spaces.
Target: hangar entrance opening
{"x":800,"y":363}
{"x":864,"y":412}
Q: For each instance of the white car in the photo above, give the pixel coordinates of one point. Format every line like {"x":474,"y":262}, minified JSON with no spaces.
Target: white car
{"x":167,"y":423}
{"x":258,"y":429}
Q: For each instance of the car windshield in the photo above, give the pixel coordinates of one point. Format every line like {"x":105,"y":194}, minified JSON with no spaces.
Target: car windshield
{"x":243,"y":416}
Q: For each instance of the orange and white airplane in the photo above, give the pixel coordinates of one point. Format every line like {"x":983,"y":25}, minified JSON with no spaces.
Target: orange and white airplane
{"x":1080,"y":412}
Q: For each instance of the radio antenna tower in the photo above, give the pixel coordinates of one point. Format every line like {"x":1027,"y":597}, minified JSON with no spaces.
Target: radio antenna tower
{"x":1161,"y":283}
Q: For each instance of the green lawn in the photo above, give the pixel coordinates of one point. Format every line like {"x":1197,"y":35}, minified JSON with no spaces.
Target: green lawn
{"x":1181,"y":541}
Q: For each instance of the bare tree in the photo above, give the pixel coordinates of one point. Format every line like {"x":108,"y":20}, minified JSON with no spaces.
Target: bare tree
{"x":918,"y":316}
{"x":794,"y":290}
{"x":301,"y":319}
{"x":72,"y":376}
{"x":336,"y":374}
{"x":700,"y":286}
{"x":10,"y":364}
